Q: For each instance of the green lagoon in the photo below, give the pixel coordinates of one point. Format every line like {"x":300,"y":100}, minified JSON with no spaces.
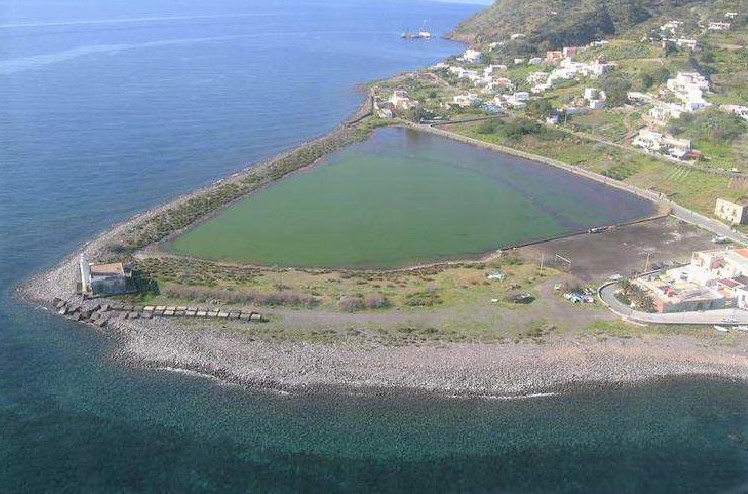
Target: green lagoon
{"x":405,"y":197}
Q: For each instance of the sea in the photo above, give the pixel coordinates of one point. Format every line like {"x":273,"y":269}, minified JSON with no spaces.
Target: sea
{"x":108,"y":108}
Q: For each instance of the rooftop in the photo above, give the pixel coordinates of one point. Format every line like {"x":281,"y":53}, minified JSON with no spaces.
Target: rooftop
{"x":112,"y":269}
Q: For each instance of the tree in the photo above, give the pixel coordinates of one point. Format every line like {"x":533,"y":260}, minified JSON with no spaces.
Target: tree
{"x":539,"y":108}
{"x":616,"y":89}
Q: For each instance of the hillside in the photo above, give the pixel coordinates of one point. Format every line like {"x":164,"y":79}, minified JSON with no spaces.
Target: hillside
{"x":550,"y":24}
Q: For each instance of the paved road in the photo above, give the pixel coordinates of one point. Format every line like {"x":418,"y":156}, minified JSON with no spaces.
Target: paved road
{"x":709,"y":317}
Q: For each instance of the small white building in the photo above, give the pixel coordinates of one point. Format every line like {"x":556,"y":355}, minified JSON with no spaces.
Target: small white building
{"x":535,"y":61}
{"x":691,"y":44}
{"x":401,"y":101}
{"x":103,"y":279}
{"x":649,"y":140}
{"x":734,"y":212}
{"x":472,"y":56}
{"x":739,"y":110}
{"x":538,"y":77}
{"x":689,"y":87}
{"x":719,"y":26}
{"x":466,"y":100}
{"x":494,"y":68}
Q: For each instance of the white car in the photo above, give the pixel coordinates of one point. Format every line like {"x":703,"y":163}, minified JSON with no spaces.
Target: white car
{"x":615,"y":277}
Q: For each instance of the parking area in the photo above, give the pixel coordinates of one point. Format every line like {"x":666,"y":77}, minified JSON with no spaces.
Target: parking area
{"x":594,"y":257}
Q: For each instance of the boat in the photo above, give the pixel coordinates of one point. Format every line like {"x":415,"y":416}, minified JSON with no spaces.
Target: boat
{"x":721,"y":329}
{"x":418,"y":35}
{"x":422,"y":34}
{"x":741,"y":328}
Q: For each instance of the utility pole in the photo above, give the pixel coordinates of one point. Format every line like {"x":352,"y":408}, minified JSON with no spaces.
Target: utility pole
{"x":646,"y":264}
{"x":542,"y":263}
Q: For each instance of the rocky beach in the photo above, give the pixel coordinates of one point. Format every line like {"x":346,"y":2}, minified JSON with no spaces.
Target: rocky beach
{"x":220,"y":349}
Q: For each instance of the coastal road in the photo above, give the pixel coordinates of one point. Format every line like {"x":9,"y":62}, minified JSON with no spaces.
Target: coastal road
{"x":708,"y":317}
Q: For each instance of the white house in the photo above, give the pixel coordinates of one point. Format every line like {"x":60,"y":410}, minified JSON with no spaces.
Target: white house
{"x":651,"y":141}
{"x":690,"y":87}
{"x":535,"y":61}
{"x":466,"y":100}
{"x":493,"y":68}
{"x":538,"y":77}
{"x":472,"y":56}
{"x":692,"y":44}
{"x":741,"y":111}
{"x":719,"y":26}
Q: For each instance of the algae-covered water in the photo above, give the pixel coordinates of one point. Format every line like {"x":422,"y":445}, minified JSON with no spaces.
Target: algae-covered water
{"x":111,"y":107}
{"x":405,"y":197}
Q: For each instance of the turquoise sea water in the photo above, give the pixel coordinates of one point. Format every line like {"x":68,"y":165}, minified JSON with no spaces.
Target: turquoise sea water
{"x":107,"y":108}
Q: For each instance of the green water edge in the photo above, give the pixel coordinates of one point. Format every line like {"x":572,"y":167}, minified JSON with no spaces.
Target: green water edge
{"x":402,"y":198}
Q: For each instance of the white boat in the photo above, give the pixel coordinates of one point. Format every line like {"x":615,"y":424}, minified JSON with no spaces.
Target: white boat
{"x":721,"y":329}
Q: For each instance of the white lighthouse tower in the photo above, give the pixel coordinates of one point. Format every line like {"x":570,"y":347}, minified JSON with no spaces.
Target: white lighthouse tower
{"x":85,"y":266}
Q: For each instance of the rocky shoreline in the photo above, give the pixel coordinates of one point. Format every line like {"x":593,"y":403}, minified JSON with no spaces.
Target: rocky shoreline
{"x":452,"y":369}
{"x":447,"y":369}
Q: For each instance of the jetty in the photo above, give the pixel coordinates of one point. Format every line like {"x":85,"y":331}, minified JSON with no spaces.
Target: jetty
{"x":102,"y":314}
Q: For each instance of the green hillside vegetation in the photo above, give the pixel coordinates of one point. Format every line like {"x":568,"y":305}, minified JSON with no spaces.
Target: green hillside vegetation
{"x":550,"y":24}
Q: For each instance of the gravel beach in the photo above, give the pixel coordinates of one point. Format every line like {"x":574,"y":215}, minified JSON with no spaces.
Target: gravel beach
{"x":470,"y":369}
{"x":446,"y":368}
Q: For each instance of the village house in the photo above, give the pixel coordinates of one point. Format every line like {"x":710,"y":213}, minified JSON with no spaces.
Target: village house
{"x":554,"y":56}
{"x":689,"y":87}
{"x":712,"y":280}
{"x":472,"y":56}
{"x":493,"y":68}
{"x":731,"y":15}
{"x":569,"y":51}
{"x":537,"y":77}
{"x":401,"y":101}
{"x":719,"y":26}
{"x":671,"y":26}
{"x":691,"y":44}
{"x":466,"y":100}
{"x":595,"y":98}
{"x":656,"y":142}
{"x":663,"y":112}
{"x":104,"y":279}
{"x":739,"y":110}
{"x":733,"y":212}
{"x":649,"y":140}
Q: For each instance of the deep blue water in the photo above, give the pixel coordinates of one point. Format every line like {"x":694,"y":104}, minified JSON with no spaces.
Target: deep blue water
{"x":109,"y":107}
